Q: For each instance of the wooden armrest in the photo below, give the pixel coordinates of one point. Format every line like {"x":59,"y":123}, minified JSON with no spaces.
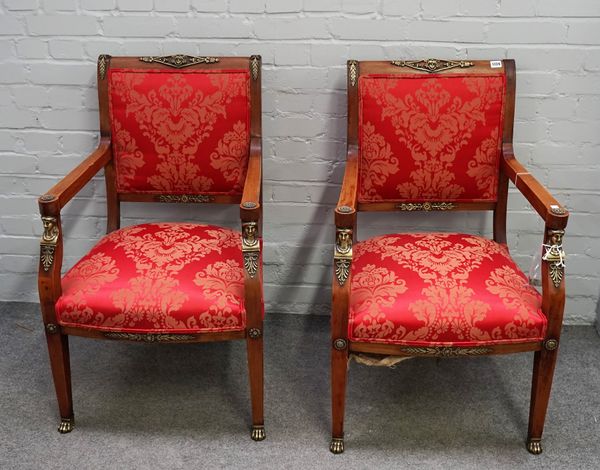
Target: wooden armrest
{"x":549,"y":209}
{"x":63,"y":191}
{"x":251,"y":197}
{"x":345,"y":212}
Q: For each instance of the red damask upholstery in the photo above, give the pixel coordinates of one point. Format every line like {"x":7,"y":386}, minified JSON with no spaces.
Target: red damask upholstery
{"x":171,"y":277}
{"x":183,"y":132}
{"x":430,"y":137}
{"x":440,"y":289}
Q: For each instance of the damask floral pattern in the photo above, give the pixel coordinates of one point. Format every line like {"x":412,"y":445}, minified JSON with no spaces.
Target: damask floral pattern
{"x":432,"y":130}
{"x":378,"y":161}
{"x":441,"y":289}
{"x":158,"y":277}
{"x":231,"y":155}
{"x":174,"y":122}
{"x":484,"y":167}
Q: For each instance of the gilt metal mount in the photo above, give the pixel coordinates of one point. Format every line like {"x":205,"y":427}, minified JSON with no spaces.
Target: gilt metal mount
{"x":551,"y":344}
{"x":250,"y":247}
{"x":534,"y":446}
{"x":555,"y":256}
{"x":340,"y":344}
{"x":180,"y":61}
{"x":103,"y":62}
{"x":425,"y":206}
{"x":149,"y":338}
{"x":258,"y":433}
{"x":51,"y":328}
{"x":446,"y":351}
{"x":255,"y":66}
{"x":185,"y":198}
{"x":343,"y":254}
{"x":432,"y":65}
{"x":254,"y":333}
{"x":336,"y":446}
{"x":66,"y":425}
{"x":48,"y":242}
{"x":558,"y":210}
{"x":344,"y":209}
{"x":353,"y":72}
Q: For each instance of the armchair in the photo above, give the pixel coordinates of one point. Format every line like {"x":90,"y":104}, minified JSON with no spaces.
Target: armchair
{"x":174,"y":129}
{"x":437,"y":136}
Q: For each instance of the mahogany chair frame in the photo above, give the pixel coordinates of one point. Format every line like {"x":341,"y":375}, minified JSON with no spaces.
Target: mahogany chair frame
{"x":51,"y":251}
{"x":554,"y":215}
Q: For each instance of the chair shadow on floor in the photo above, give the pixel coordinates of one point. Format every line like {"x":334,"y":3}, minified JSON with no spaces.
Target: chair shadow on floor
{"x":197,"y":388}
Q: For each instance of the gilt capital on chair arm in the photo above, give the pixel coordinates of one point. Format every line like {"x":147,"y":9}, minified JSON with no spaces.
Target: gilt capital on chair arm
{"x":250,"y":247}
{"x":48,"y":241}
{"x":342,"y":257}
{"x":555,"y":256}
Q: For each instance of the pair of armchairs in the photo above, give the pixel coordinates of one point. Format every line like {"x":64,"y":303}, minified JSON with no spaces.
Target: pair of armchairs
{"x":422,"y":136}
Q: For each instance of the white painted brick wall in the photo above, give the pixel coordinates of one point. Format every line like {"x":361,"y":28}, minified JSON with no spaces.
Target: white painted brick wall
{"x":48,"y":118}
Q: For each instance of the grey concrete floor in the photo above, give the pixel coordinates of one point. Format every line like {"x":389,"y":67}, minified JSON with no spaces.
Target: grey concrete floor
{"x":184,"y":406}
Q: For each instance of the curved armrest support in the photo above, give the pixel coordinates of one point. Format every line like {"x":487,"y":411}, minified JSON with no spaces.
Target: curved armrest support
{"x":345,"y":221}
{"x":549,"y":209}
{"x":65,"y":189}
{"x":555,"y":217}
{"x":251,"y":217}
{"x":51,"y":243}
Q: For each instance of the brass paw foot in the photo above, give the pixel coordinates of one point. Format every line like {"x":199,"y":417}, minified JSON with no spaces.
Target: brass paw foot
{"x":534,"y":446}
{"x":258,"y":433}
{"x":66,"y":425}
{"x":337,"y":445}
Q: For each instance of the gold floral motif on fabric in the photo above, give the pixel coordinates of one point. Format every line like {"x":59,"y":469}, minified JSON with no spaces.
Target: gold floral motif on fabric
{"x":87,"y":278}
{"x":378,"y":161}
{"x":130,"y":157}
{"x":177,"y":118}
{"x":484,"y":166}
{"x":222,"y":281}
{"x":231,"y":155}
{"x":448,"y":305}
{"x":517,"y":295}
{"x":434,"y":126}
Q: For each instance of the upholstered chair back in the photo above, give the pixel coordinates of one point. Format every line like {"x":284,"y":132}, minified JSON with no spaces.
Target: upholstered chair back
{"x":430,"y":137}
{"x":179,"y":131}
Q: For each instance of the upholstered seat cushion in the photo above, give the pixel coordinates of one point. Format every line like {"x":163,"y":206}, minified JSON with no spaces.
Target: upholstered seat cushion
{"x":158,"y":277}
{"x":441,"y":289}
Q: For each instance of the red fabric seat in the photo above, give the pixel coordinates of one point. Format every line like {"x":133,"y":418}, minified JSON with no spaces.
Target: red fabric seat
{"x":171,"y":277}
{"x":442,"y":289}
